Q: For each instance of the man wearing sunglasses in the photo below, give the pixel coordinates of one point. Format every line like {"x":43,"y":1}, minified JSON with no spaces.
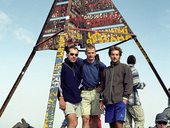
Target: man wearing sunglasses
{"x":69,"y":96}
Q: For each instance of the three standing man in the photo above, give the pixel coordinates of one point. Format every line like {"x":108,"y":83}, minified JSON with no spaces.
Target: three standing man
{"x":116,"y":84}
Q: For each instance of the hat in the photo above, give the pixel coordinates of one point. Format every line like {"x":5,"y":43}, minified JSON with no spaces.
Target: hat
{"x":131,"y":59}
{"x":161,"y":117}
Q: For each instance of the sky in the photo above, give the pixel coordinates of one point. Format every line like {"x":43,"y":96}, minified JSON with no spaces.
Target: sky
{"x":20,"y":25}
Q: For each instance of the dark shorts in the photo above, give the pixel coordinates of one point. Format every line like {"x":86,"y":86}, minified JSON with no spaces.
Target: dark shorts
{"x":115,"y":112}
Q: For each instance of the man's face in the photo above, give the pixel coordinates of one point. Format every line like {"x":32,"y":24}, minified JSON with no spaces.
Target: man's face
{"x":72,"y":55}
{"x":161,"y":124}
{"x":115,"y":56}
{"x":90,"y":53}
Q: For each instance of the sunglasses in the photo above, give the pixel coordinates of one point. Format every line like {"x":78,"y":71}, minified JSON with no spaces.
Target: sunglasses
{"x":72,"y":54}
{"x":162,"y":122}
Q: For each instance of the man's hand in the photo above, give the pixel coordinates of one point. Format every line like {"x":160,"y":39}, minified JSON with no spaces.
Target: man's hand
{"x":101,"y":105}
{"x":62,"y":103}
{"x":125,"y":100}
{"x":98,"y":89}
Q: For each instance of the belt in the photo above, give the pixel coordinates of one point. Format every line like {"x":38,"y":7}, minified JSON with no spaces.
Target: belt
{"x":87,"y":88}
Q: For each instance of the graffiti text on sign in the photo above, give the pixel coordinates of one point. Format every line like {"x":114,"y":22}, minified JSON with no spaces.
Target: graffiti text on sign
{"x":113,"y":35}
{"x":76,"y":6}
{"x":96,"y":5}
{"x":59,"y":11}
{"x":60,"y":51}
{"x":102,"y":19}
{"x":75,"y":35}
{"x":54,"y":26}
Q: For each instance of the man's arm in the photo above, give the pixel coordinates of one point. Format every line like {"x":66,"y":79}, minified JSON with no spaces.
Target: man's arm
{"x":62,"y":103}
{"x":128,"y":83}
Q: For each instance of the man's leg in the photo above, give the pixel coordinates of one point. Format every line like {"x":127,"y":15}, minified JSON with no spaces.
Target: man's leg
{"x":71,"y":115}
{"x":119,"y":124}
{"x":86,"y":121}
{"x":93,"y":121}
{"x":99,"y":121}
{"x":128,"y":123}
{"x":109,"y":115}
{"x":95,"y":110}
{"x":120,"y":114}
{"x":72,"y":120}
{"x":138,"y":116}
{"x":85,"y":108}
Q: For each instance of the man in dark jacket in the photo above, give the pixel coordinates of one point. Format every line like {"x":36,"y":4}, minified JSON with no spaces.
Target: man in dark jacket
{"x":69,"y":99}
{"x":117,"y":86}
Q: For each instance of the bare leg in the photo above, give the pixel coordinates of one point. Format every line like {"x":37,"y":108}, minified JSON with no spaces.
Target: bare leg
{"x":94,"y":121}
{"x":119,"y":124}
{"x":86,"y":121}
{"x":72,"y":120}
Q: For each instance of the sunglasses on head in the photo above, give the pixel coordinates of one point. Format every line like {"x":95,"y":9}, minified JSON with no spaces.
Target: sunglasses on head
{"x":162,"y":122}
{"x":72,"y":54}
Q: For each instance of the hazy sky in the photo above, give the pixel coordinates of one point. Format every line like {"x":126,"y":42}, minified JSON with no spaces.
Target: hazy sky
{"x":20,"y":24}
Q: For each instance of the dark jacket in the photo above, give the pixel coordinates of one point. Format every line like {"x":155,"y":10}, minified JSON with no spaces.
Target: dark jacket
{"x":70,"y":81}
{"x":117,"y":83}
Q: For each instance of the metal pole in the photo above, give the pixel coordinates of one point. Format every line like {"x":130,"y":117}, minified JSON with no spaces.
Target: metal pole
{"x":152,"y":67}
{"x":17,"y":82}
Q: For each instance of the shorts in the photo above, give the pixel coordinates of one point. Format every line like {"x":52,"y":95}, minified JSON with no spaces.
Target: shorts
{"x":135,"y":113}
{"x":90,"y":102}
{"x":115,"y":112}
{"x":72,"y":108}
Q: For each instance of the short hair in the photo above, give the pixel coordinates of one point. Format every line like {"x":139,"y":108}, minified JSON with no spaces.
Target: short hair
{"x":115,"y":48}
{"x":67,"y":49}
{"x":90,"y":46}
{"x":131,"y":59}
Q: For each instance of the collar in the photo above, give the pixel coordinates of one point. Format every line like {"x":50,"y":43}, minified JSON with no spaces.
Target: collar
{"x":67,"y":61}
{"x":131,"y":65}
{"x":114,"y":63}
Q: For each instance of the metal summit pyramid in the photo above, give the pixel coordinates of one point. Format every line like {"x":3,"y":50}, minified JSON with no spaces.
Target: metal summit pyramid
{"x":78,"y":22}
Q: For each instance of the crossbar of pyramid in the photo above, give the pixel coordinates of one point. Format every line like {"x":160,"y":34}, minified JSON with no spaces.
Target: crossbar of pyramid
{"x":78,"y":22}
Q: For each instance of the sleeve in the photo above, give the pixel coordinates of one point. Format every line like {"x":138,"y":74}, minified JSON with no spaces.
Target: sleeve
{"x":102,"y":66}
{"x":140,"y":85}
{"x":136,"y":80}
{"x":79,"y":62}
{"x":128,"y":82}
{"x":103,"y":80}
{"x":102,"y":84}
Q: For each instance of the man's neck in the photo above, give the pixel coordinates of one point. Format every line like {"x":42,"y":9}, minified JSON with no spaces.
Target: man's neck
{"x":90,"y":61}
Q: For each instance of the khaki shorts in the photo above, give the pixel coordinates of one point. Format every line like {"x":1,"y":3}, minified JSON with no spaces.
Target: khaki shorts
{"x":135,"y":113}
{"x":72,"y":108}
{"x":90,"y":102}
